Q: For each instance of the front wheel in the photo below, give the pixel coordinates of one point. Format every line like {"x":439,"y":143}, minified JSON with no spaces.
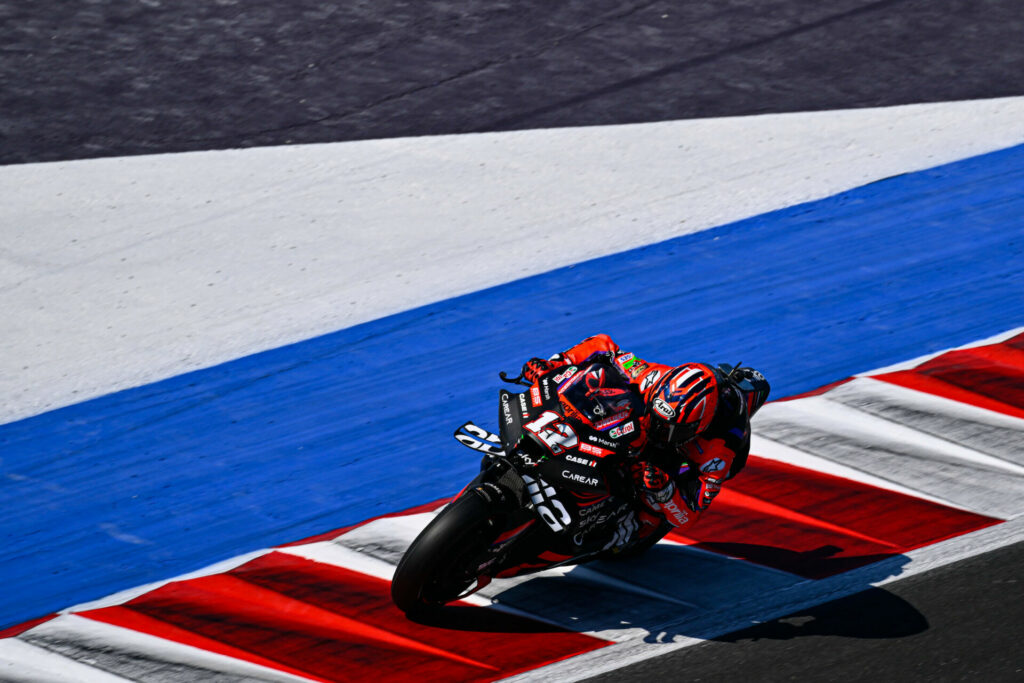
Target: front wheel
{"x":438,"y":566}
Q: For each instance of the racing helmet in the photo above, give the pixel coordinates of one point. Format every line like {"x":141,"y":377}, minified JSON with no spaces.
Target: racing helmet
{"x":682,"y":405}
{"x":749,"y":382}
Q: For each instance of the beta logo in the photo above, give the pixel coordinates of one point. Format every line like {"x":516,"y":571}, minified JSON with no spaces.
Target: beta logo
{"x":591,"y":450}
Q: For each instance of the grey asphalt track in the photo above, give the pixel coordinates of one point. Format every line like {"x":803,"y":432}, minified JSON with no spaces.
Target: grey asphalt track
{"x":963,"y":622}
{"x":118,"y":77}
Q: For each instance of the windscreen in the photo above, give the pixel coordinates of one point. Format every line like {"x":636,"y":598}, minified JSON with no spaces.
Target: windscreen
{"x":601,"y":394}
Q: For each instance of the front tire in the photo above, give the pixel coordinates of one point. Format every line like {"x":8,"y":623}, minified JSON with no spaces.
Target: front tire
{"x":437,"y":567}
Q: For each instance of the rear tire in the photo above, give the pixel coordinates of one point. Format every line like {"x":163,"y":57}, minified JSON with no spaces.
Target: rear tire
{"x":436,"y":568}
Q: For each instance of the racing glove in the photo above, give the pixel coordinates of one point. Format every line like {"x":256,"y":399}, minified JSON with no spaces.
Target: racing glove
{"x":661,"y":494}
{"x":535,"y":367}
{"x":656,"y":486}
{"x":700,"y":491}
{"x":656,"y":483}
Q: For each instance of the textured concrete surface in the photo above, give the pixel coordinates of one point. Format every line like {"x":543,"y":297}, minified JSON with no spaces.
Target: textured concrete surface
{"x":121,"y":271}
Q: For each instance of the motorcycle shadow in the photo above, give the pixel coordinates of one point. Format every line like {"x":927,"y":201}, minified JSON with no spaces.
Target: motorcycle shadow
{"x":716,"y":587}
{"x":683,"y":591}
{"x":674,"y":591}
{"x":481,"y":620}
{"x":871,"y":614}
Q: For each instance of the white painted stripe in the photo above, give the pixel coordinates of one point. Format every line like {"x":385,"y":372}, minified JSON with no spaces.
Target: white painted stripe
{"x":91,"y":634}
{"x":983,"y":490}
{"x":117,"y":272}
{"x":773,"y":450}
{"x":841,"y":419}
{"x":995,"y":433}
{"x":328,"y":552}
{"x":24,"y":663}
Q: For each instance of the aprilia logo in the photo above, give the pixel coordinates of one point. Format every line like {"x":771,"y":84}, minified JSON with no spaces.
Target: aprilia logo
{"x":679,"y":517}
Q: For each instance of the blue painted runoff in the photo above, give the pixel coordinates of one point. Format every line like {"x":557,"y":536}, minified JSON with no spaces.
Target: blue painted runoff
{"x":155,"y":481}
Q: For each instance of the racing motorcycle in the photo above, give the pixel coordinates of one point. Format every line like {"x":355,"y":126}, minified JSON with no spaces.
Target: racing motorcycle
{"x":554,"y":488}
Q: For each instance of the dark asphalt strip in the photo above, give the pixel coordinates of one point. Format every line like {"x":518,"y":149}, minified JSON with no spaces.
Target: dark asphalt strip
{"x":963,"y":622}
{"x":120,"y":77}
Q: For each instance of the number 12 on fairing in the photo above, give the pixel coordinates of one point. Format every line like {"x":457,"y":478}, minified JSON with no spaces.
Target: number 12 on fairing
{"x":558,"y":436}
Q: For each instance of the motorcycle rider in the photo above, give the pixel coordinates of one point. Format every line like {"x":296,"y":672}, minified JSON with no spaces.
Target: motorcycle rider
{"x":695,"y":431}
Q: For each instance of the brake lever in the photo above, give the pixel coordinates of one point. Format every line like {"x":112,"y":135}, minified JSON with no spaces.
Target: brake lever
{"x":514,"y":380}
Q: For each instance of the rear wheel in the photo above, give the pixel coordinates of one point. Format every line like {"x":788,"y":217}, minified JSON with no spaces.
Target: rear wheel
{"x":439,"y":565}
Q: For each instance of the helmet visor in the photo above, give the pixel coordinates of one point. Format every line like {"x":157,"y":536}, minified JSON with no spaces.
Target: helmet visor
{"x":670,"y":434}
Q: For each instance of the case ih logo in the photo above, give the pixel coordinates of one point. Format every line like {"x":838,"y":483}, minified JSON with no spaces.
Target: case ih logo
{"x":582,"y":461}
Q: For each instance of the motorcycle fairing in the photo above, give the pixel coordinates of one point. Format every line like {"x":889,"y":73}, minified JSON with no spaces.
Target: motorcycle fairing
{"x":564,"y":440}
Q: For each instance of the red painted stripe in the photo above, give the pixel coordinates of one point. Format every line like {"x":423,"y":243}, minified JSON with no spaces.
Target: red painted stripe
{"x":781,"y":512}
{"x":1000,"y":354}
{"x":124,"y":617}
{"x":330,"y":624}
{"x":990,"y":377}
{"x":503,"y":645}
{"x":817,"y":525}
{"x":1015,"y":342}
{"x":12,"y":631}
